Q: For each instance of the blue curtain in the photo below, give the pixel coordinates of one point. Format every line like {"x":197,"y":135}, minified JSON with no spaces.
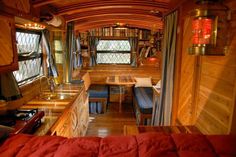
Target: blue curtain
{"x":163,"y":109}
{"x":133,"y":41}
{"x":93,"y":42}
{"x":77,"y":56}
{"x":52,"y":69}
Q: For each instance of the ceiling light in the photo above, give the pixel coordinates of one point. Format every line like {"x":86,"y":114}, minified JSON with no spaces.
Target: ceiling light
{"x":35,"y":26}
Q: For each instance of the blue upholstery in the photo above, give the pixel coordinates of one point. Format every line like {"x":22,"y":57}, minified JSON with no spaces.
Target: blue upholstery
{"x":98,"y":91}
{"x":95,"y":107}
{"x":144,"y":98}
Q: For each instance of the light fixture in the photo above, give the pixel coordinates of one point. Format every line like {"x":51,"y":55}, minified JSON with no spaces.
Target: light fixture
{"x":34,"y":26}
{"x":209,"y":28}
{"x":120,"y":26}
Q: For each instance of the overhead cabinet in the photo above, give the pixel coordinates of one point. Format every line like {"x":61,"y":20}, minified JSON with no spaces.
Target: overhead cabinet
{"x":8,"y":51}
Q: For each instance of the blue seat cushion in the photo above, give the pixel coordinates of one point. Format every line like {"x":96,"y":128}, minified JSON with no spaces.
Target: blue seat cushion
{"x":98,"y":91}
{"x":144,"y":98}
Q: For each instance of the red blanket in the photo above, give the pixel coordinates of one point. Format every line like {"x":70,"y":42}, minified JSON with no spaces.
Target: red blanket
{"x":142,"y":145}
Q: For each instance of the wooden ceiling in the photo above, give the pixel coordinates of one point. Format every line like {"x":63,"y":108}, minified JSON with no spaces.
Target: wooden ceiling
{"x":88,"y":14}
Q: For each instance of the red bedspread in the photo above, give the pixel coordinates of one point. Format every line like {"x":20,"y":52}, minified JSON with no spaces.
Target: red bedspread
{"x":142,"y":145}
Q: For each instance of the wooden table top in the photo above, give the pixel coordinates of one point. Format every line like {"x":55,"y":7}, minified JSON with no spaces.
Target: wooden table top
{"x":120,"y":80}
{"x":134,"y":130}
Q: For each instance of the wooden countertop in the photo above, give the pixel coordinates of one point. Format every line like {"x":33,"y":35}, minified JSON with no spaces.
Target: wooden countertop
{"x":53,"y":108}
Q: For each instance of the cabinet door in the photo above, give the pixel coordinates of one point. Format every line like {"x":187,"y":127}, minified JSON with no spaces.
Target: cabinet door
{"x":8,"y":54}
{"x":64,"y":128}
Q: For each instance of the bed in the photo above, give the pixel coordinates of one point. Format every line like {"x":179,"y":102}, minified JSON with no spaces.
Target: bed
{"x":152,"y":144}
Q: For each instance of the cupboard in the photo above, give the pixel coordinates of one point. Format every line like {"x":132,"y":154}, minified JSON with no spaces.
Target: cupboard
{"x":8,"y":51}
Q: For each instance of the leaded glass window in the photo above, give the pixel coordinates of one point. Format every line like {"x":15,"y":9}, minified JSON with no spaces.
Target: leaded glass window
{"x":29,"y":55}
{"x":113,"y":52}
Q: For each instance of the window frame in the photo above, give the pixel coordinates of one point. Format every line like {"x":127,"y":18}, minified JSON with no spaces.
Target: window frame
{"x":25,"y":56}
{"x":109,"y":51}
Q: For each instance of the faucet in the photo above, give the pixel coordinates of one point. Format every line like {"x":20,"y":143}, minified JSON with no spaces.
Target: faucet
{"x":51,"y":84}
{"x":40,"y":82}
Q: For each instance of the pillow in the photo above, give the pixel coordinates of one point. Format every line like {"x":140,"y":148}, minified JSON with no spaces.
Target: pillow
{"x":4,"y":132}
{"x":158,"y":85}
{"x":143,"y":82}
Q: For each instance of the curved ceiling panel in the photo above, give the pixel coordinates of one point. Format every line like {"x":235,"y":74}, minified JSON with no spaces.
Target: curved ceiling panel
{"x":97,"y":13}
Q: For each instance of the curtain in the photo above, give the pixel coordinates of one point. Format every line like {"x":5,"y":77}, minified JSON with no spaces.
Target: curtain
{"x":134,"y":45}
{"x":52,"y":69}
{"x":76,"y":55}
{"x":163,"y":109}
{"x":93,"y":42}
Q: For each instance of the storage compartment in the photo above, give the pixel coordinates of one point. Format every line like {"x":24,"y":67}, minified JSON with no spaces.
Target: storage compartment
{"x":126,"y":94}
{"x":115,"y":93}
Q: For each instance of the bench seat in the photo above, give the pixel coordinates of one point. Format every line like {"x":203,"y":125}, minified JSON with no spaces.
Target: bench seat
{"x":143,"y":102}
{"x":98,"y":95}
{"x":144,"y":96}
{"x":98,"y":91}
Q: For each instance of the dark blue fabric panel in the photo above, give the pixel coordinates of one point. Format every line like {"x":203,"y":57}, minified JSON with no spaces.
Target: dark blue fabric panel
{"x":95,"y":107}
{"x":144,"y":97}
{"x":98,"y":91}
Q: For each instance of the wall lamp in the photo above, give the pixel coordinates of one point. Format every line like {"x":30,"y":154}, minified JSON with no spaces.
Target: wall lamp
{"x":210,"y":28}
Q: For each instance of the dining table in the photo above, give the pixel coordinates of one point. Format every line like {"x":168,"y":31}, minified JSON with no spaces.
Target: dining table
{"x":120,"y":80}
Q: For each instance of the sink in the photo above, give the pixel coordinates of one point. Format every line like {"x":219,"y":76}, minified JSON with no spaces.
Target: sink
{"x":56,"y":96}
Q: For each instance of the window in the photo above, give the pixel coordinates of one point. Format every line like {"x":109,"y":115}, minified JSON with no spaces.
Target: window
{"x":113,"y":52}
{"x":29,"y":55}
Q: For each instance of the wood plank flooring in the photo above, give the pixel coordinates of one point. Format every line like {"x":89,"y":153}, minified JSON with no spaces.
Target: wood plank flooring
{"x":112,"y":122}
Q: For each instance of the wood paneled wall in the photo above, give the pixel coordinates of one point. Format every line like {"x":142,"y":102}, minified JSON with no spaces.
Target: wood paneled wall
{"x":208,"y":83}
{"x":185,"y":106}
{"x":99,"y":73}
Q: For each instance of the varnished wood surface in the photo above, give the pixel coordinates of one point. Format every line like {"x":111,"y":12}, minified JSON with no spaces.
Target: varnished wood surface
{"x":8,"y":52}
{"x":111,"y":122}
{"x":20,"y":5}
{"x":120,"y":80}
{"x":207,"y":85}
{"x":100,"y":73}
{"x":188,"y":66}
{"x":55,"y":109}
{"x":134,"y":130}
{"x":98,"y":13}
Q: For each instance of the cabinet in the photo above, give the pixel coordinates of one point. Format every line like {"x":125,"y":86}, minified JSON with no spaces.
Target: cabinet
{"x":126,"y":93}
{"x":74,"y":120}
{"x":8,"y":53}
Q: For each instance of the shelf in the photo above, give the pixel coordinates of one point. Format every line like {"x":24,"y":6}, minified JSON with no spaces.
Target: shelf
{"x":84,"y":46}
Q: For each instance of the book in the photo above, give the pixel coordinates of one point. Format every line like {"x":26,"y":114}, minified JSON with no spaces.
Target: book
{"x":147,"y":52}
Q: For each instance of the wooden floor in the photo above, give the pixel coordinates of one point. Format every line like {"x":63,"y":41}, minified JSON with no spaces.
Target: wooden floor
{"x":112,"y":122}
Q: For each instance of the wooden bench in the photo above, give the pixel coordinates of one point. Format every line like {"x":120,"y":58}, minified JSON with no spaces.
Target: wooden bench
{"x":97,"y":93}
{"x":143,"y":102}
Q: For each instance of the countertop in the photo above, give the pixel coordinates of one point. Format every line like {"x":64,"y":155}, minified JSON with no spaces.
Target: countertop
{"x":54,"y":107}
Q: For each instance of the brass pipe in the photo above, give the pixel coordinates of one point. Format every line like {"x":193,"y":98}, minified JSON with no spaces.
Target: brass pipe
{"x":69,"y":50}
